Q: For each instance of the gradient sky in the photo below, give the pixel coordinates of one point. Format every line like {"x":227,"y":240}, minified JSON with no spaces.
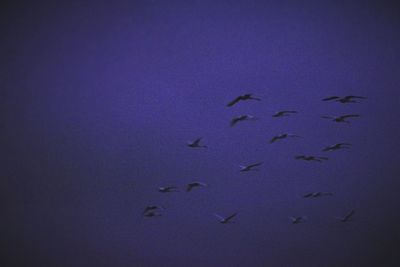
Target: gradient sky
{"x":98,"y":99}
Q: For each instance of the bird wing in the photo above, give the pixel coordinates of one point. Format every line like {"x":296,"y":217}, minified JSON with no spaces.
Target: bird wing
{"x":230,"y":216}
{"x":330,"y":98}
{"x":354,"y":96}
{"x":233,"y":102}
{"x":254,"y":165}
{"x":351,"y":213}
{"x":308,"y":195}
{"x":234,"y":121}
{"x":219,"y":217}
{"x":288,"y":111}
{"x":273,"y":139}
{"x":197,"y":141}
{"x":189,"y":187}
{"x":349,"y":116}
{"x":300,"y":157}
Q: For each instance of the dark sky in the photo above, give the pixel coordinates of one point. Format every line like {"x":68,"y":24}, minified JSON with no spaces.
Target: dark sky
{"x":98,"y":99}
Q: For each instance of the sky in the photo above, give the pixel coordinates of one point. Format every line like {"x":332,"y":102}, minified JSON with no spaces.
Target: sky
{"x":98,"y":100}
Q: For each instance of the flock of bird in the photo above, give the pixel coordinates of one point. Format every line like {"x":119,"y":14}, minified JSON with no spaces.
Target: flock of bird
{"x":155,"y":210}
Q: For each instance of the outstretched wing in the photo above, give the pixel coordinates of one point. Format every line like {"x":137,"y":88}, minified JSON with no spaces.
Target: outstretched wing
{"x":349,"y":215}
{"x":234,"y":121}
{"x":219,"y":217}
{"x":254,"y":165}
{"x":308,"y":195}
{"x":273,"y":139}
{"x":230,"y":216}
{"x":350,"y":116}
{"x":330,"y":98}
{"x":327,"y":117}
{"x":233,"y":102}
{"x":354,"y":96}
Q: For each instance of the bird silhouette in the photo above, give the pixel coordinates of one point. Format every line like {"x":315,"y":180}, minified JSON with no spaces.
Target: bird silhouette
{"x":282,"y":136}
{"x":242,"y":98}
{"x":225,"y":220}
{"x":246,"y":168}
{"x":298,"y":219}
{"x":190,"y":186}
{"x":237,"y":119}
{"x":310,"y":158}
{"x":317,"y":194}
{"x":347,"y":217}
{"x":196,"y":143}
{"x":167,"y":189}
{"x":283,"y":113}
{"x":341,"y":118}
{"x":344,"y":99}
{"x":336,"y":147}
{"x":151,"y":208}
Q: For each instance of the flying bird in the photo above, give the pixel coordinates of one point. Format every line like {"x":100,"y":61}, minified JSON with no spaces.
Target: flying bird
{"x":167,"y":189}
{"x":237,"y":119}
{"x":225,"y":220}
{"x":347,"y":217}
{"x":336,"y":147}
{"x":196,"y":143}
{"x":344,"y":99}
{"x":310,"y":158}
{"x":317,"y":194}
{"x":190,"y":186}
{"x":341,"y":118}
{"x":242,"y":98}
{"x":299,"y":219}
{"x":151,"y":208}
{"x":246,"y":168}
{"x":283,"y":113}
{"x":282,"y":136}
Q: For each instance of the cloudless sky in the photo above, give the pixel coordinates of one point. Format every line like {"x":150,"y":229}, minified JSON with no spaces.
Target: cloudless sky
{"x":98,"y":100}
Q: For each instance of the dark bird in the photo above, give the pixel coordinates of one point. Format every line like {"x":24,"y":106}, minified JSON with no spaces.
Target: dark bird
{"x":237,"y":119}
{"x":151,"y":208}
{"x":246,"y":168}
{"x":310,"y":158}
{"x":344,"y":99}
{"x":167,"y":189}
{"x":152,"y":214}
{"x":282,"y":136}
{"x":341,"y":118}
{"x":347,"y":217}
{"x":225,"y":219}
{"x":336,"y":146}
{"x":242,"y":98}
{"x":317,"y":194}
{"x":283,"y":113}
{"x":299,"y":219}
{"x":196,"y":143}
{"x":190,"y":186}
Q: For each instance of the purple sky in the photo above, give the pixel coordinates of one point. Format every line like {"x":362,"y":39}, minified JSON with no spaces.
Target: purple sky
{"x":98,"y":99}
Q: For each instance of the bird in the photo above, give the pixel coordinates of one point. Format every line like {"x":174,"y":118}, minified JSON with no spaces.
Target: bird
{"x":299,"y":219}
{"x":242,"y":98}
{"x":151,"y":208}
{"x":237,"y":119}
{"x":336,"y":147}
{"x":283,"y":113}
{"x":152,"y":214}
{"x":246,"y":168}
{"x":225,"y":220}
{"x":341,"y":118}
{"x":310,"y":158}
{"x":282,"y":136}
{"x":347,"y":217}
{"x":317,"y":194}
{"x":196,"y":143}
{"x":190,"y":186}
{"x":344,"y":99}
{"x":167,"y":189}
